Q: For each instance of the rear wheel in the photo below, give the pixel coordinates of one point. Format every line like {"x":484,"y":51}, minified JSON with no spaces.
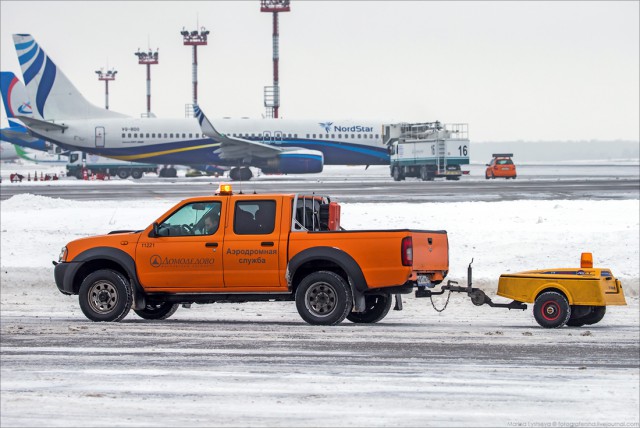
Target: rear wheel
{"x":123,"y":173}
{"x":377,"y":307}
{"x":551,"y":309}
{"x":157,"y":311}
{"x":136,"y":174}
{"x":105,"y":295}
{"x":595,"y":316}
{"x":323,"y":298}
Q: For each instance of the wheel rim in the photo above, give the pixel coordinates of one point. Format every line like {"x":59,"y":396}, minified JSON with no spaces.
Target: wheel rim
{"x":103,"y":297}
{"x":320,"y":299}
{"x":550,"y":311}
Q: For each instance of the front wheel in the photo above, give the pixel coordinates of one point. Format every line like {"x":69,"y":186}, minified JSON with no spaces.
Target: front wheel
{"x":323,"y":298}
{"x":105,"y":295}
{"x":157,"y":311}
{"x":551,"y":309}
{"x":377,"y":307}
{"x":397,"y":174}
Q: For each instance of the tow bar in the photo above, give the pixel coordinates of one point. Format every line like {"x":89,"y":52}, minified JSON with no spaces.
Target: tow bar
{"x":477,"y":296}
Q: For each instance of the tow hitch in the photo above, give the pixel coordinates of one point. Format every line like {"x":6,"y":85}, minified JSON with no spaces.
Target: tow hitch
{"x":477,"y":296}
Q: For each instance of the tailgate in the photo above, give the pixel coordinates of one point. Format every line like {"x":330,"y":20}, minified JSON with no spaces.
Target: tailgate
{"x":430,"y":251}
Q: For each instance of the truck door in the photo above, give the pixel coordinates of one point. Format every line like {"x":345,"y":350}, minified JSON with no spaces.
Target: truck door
{"x":186,"y":253}
{"x":99,"y":136}
{"x":251,"y":245}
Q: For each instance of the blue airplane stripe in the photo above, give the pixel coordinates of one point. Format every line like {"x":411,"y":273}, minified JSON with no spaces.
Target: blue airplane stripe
{"x":34,"y":68}
{"x":298,"y":156}
{"x":28,"y":55}
{"x":45,"y":85}
{"x":25,"y":45}
{"x":380,"y":153}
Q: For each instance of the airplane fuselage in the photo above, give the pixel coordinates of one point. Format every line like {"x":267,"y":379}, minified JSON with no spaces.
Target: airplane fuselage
{"x":180,"y":141}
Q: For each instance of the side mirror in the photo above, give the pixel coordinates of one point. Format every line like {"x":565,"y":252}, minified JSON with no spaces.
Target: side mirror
{"x":154,"y":231}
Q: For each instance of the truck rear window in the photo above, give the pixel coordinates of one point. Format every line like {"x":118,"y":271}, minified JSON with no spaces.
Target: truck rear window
{"x":254,"y":217}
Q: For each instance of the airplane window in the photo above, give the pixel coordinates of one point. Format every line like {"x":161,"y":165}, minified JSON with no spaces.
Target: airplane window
{"x":171,"y":135}
{"x":365,"y":135}
{"x":289,"y":135}
{"x":295,"y":135}
{"x":197,"y":135}
{"x":333,"y":135}
{"x":339,"y":135}
{"x":353,"y":136}
{"x":184,"y":135}
{"x":165,"y":135}
{"x":135,"y":135}
{"x":314,"y":135}
{"x":129,"y":135}
{"x":123,"y":135}
{"x":190,"y":135}
{"x":376,"y":136}
{"x":147,"y":135}
{"x":327,"y":136}
{"x":153,"y":135}
{"x":307,"y":135}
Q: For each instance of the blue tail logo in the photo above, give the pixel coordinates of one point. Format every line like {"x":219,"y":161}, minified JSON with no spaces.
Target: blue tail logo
{"x":32,"y":60}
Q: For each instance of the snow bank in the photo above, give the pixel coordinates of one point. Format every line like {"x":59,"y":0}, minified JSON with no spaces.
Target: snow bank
{"x":500,"y":236}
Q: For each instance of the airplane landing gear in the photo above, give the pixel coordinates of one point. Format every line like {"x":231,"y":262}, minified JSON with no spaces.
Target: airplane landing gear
{"x":240,"y":174}
{"x":168,"y":172}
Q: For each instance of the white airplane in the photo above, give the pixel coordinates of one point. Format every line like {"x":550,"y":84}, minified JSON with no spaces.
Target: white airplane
{"x":63,"y":116}
{"x":8,"y":151}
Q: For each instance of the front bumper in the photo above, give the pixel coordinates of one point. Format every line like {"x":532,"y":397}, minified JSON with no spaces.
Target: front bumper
{"x":63,"y":274}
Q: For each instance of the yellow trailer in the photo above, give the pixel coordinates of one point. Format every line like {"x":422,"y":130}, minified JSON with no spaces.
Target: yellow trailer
{"x":572,"y":296}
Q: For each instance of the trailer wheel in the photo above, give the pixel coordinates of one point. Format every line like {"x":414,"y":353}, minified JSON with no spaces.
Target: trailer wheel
{"x":136,"y":174}
{"x":595,"y":316}
{"x":551,"y":309}
{"x":79,"y":174}
{"x":377,"y":307}
{"x":323,"y":298}
{"x":105,"y":295}
{"x":123,"y":173}
{"x":157,"y":311}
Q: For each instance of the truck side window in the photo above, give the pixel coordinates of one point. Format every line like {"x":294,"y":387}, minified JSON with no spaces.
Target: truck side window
{"x":199,"y":218}
{"x":254,"y":217}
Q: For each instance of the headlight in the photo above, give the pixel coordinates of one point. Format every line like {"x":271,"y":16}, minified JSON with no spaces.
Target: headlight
{"x":63,"y":255}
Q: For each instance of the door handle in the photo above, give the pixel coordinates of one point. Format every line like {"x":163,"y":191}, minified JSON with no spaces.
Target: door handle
{"x":266,"y":244}
{"x":211,"y":244}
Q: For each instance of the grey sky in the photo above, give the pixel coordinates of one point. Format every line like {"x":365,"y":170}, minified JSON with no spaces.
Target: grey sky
{"x":512,"y":70}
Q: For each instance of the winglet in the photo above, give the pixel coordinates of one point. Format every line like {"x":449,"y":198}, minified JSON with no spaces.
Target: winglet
{"x":206,"y":125}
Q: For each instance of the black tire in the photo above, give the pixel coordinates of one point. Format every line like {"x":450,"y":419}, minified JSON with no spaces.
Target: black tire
{"x":551,"y":309}
{"x":486,"y":175}
{"x":377,"y":307}
{"x":396,"y":174}
{"x":323,"y":298}
{"x":79,"y":174}
{"x":595,"y":316}
{"x":136,"y":174}
{"x":123,"y":173}
{"x":578,"y":312}
{"x":105,"y":295}
{"x":157,"y":311}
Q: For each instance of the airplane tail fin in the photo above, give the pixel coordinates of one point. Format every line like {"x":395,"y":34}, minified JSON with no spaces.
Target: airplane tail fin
{"x":52,"y":94}
{"x":15,"y":98}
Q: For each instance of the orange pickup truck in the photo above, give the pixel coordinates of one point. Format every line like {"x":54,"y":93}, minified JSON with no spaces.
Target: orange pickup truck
{"x":250,"y":247}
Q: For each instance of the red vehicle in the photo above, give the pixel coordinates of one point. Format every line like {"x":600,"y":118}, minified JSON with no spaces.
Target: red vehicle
{"x":501,"y":166}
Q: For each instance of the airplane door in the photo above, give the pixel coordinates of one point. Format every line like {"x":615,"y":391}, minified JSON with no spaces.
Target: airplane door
{"x":99,"y":136}
{"x":277,"y":137}
{"x":266,"y":137}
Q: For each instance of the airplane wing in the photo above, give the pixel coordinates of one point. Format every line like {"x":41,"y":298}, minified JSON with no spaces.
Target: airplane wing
{"x":12,"y":134}
{"x":30,"y":122}
{"x":232,"y":147}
